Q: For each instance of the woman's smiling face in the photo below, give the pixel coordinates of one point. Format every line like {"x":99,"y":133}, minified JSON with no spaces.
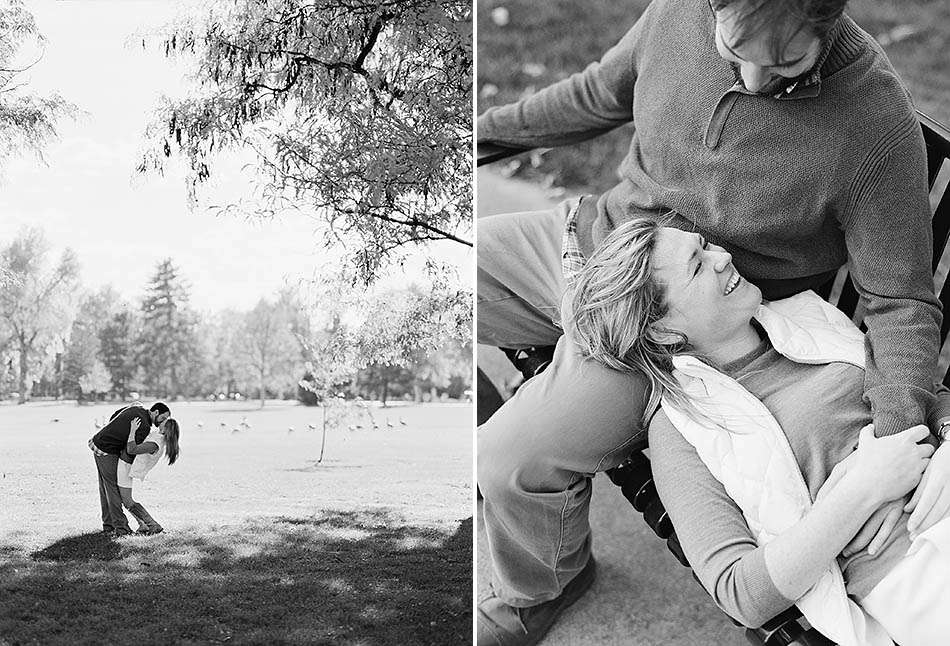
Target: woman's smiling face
{"x":707,"y":299}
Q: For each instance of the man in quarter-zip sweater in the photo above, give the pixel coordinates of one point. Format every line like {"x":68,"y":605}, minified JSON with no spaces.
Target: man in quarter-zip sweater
{"x":794,"y":171}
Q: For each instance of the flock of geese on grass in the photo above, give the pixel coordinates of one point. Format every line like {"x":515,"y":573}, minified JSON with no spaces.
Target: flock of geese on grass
{"x":98,"y":423}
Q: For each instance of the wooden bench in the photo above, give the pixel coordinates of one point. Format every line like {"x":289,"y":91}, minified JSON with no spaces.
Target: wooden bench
{"x":634,"y":476}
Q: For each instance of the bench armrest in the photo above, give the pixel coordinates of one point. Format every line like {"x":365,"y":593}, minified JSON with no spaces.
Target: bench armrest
{"x":488,"y":153}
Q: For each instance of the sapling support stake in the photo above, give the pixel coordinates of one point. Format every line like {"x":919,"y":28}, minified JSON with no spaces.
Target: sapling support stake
{"x":323,"y":439}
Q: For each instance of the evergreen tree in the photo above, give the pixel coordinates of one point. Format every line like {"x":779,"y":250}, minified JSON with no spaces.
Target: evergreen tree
{"x":117,"y":351}
{"x":168,"y":332}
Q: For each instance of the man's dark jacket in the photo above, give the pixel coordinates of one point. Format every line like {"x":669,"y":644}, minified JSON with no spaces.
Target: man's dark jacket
{"x":113,"y":436}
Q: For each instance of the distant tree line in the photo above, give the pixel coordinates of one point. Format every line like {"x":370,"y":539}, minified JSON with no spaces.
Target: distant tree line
{"x":60,"y":340}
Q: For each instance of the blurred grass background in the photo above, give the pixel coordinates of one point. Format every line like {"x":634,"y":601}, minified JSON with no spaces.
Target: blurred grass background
{"x":525,"y":45}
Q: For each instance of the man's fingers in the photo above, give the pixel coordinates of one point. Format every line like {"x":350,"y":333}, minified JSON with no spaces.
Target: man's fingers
{"x":937,"y":513}
{"x":915,"y":499}
{"x":931,"y":492}
{"x":887,"y":527}
{"x":939,"y":510}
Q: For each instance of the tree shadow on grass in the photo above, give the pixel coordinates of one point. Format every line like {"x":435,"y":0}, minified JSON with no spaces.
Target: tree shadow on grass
{"x":342,"y":578}
{"x":84,"y":547}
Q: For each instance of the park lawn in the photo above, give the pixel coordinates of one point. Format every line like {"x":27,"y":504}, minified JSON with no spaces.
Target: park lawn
{"x":544,"y":42}
{"x":262,"y":545}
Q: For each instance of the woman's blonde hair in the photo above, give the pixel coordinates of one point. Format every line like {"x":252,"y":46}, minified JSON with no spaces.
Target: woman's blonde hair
{"x":617,"y":308}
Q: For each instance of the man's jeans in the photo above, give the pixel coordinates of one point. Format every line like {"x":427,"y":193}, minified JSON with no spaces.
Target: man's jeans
{"x":538,"y":452}
{"x":113,"y":518}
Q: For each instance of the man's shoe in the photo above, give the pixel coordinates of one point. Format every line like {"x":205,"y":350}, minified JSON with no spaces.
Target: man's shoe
{"x":502,"y":625}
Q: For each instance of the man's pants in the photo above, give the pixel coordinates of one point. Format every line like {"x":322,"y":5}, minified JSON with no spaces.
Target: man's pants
{"x":538,"y":452}
{"x":113,"y":518}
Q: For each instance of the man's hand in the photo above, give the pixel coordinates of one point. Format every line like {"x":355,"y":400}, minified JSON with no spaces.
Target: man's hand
{"x":931,"y":500}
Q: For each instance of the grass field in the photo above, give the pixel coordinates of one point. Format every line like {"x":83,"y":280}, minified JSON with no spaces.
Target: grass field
{"x":262,"y":545}
{"x":524,"y":45}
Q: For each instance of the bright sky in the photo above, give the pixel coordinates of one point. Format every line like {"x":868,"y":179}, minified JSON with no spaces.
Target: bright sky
{"x":88,"y":197}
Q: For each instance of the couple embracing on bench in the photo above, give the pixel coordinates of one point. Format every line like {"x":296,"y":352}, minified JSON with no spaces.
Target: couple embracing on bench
{"x":801,"y":460}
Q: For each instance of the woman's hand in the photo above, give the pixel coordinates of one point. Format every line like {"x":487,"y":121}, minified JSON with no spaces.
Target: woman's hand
{"x":878,"y":527}
{"x":889,"y":467}
{"x":134,"y":426}
{"x":931,"y":501}
{"x":878,"y":471}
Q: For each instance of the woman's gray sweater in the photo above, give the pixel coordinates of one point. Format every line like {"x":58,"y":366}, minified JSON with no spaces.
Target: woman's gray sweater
{"x":820,"y":409}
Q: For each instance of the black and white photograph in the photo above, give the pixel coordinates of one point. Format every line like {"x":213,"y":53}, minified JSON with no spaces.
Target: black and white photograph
{"x":236,"y":263}
{"x":711,"y":392}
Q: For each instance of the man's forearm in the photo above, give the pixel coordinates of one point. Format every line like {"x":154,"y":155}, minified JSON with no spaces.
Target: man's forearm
{"x":888,"y":235}
{"x":580,"y":107}
{"x":903,"y":345}
{"x":564,"y":113}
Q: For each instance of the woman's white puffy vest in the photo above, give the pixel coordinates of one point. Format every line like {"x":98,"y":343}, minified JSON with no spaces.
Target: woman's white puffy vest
{"x":742,"y":445}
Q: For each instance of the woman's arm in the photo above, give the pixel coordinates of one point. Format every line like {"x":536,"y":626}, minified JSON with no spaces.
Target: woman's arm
{"x":711,"y":529}
{"x":880,"y":470}
{"x":754,"y":583}
{"x":135,"y":449}
{"x":145,"y":447}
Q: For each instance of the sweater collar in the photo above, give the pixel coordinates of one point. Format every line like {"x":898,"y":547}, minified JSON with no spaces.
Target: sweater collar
{"x":843,"y":45}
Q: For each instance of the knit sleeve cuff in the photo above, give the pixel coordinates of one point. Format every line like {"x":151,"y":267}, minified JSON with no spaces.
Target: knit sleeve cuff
{"x":889,"y":423}
{"x":896,"y":408}
{"x":764,"y":599}
{"x":941,"y":407}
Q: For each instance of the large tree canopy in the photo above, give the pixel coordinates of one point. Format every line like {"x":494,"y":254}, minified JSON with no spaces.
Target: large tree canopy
{"x":27,"y":121}
{"x":37,"y":303}
{"x":359,"y":110}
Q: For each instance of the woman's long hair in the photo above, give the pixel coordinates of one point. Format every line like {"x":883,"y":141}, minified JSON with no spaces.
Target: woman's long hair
{"x":617,"y":308}
{"x":171,"y":432}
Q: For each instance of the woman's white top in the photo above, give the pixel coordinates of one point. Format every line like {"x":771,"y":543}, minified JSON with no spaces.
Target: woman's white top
{"x":144,"y":462}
